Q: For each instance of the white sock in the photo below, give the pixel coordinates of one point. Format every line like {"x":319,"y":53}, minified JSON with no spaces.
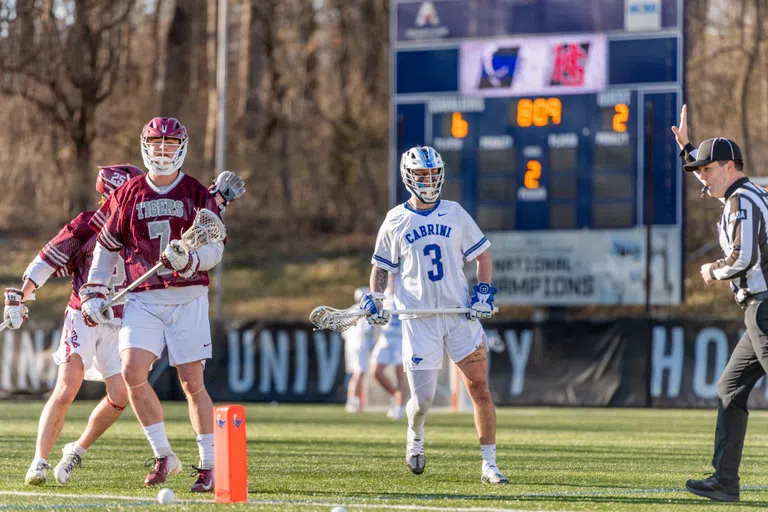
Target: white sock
{"x":205,"y":447}
{"x":489,"y":454}
{"x":79,"y":450}
{"x":158,"y":440}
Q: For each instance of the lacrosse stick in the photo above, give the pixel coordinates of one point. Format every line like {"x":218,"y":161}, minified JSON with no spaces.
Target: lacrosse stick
{"x":339,"y":320}
{"x":8,"y":322}
{"x":206,"y":228}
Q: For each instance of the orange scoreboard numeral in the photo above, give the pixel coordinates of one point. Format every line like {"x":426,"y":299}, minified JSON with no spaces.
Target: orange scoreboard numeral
{"x":459,"y":127}
{"x":524,"y":112}
{"x":532,"y":174}
{"x":539,"y":112}
{"x":620,"y":118}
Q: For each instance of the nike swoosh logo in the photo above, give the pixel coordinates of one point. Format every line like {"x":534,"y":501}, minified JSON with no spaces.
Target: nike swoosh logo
{"x":440,"y":214}
{"x":207,"y":345}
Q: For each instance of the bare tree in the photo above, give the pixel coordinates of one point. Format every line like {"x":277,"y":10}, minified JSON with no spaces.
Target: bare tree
{"x":66,"y":64}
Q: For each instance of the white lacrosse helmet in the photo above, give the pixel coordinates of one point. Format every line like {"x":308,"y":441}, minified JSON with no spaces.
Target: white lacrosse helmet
{"x":360,"y":293}
{"x":168,"y":162}
{"x":423,"y":157}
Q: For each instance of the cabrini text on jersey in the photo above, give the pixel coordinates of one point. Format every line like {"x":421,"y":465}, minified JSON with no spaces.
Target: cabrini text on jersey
{"x":429,"y":229}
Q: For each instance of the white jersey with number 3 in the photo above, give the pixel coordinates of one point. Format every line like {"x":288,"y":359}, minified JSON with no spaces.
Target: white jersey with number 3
{"x":427,"y":250}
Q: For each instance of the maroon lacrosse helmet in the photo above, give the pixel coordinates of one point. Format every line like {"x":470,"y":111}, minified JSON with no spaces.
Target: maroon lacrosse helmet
{"x":112,"y":177}
{"x":166,"y":156}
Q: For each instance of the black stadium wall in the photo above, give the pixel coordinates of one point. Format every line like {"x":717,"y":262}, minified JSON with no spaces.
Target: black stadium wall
{"x":621,"y":363}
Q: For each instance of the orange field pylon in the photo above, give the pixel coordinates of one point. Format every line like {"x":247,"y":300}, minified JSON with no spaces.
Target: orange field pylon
{"x":230,"y":474}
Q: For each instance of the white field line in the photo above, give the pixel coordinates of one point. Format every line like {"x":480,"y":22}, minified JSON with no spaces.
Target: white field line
{"x":343,"y":501}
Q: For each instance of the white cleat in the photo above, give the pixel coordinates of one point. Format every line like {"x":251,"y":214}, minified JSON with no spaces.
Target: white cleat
{"x":36,"y":472}
{"x":415,"y":456}
{"x":492,"y":475}
{"x":353,"y":406}
{"x":396,"y":413}
{"x":69,"y":460}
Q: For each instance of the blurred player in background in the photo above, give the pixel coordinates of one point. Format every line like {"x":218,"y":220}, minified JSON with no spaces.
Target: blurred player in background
{"x":358,"y":342}
{"x":424,"y":244}
{"x":388,"y":352}
{"x":144,"y":220}
{"x":83,"y":354}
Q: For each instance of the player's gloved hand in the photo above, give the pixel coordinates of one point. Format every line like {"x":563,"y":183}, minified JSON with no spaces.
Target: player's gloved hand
{"x":93,"y":298}
{"x":229,"y":185}
{"x":481,"y":303}
{"x":15,"y":310}
{"x":373,"y":304}
{"x":181,"y":261}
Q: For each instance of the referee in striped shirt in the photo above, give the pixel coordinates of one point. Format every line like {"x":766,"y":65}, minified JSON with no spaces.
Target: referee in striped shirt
{"x":718,"y":164}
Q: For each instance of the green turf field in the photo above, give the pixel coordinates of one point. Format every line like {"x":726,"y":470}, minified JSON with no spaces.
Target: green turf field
{"x":313,"y":457}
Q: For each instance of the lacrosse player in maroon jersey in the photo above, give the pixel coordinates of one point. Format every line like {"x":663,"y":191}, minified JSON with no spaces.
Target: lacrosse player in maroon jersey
{"x":144,"y":221}
{"x":83,"y":353}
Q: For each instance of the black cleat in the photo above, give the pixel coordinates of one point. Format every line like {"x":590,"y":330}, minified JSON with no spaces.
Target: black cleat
{"x":713,"y":489}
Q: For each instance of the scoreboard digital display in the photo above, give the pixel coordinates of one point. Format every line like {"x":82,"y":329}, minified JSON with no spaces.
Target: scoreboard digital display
{"x":541,"y":131}
{"x":539,"y":158}
{"x":553,"y":121}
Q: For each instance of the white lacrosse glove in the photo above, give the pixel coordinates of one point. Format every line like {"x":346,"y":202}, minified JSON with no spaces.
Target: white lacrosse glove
{"x":373,"y":304}
{"x":181,"y":261}
{"x":481,"y":304}
{"x":15,"y":310}
{"x":229,"y":185}
{"x":93,"y":298}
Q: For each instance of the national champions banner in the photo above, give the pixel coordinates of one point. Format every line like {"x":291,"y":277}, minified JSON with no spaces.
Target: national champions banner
{"x":599,"y":267}
{"x":625,"y":362}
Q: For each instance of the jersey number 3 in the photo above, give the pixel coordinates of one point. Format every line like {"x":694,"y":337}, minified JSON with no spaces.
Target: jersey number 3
{"x":433,"y":250}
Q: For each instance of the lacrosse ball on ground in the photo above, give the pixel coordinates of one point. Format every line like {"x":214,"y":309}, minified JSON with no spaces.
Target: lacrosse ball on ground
{"x":166,"y":496}
{"x":339,"y":508}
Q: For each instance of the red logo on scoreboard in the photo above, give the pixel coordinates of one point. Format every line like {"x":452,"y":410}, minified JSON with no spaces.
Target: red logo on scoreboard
{"x":570,"y":60}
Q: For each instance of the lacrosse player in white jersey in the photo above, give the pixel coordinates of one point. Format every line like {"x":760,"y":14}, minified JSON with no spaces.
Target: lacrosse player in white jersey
{"x":358,"y":342}
{"x":388,"y":352}
{"x":424,"y":244}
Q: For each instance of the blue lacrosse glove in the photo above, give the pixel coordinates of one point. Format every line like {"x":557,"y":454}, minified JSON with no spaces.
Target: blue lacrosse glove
{"x":481,"y":303}
{"x":373,"y":304}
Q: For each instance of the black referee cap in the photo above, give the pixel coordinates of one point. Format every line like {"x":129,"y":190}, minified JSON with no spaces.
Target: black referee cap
{"x":713,"y":150}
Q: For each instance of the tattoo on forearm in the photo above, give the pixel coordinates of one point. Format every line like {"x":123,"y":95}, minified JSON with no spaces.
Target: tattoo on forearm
{"x":379,"y":280}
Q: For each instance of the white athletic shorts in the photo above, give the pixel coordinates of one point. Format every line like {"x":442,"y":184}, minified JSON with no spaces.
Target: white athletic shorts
{"x":97,"y":346}
{"x":424,"y":339}
{"x":183,"y":328}
{"x":356,"y":356}
{"x":386,"y":353}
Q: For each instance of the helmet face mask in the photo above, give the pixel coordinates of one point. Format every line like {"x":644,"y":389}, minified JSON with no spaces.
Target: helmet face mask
{"x":163,"y":145}
{"x":423,"y":173}
{"x":112,"y":177}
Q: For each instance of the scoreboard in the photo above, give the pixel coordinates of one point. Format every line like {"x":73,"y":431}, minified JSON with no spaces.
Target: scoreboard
{"x":551,"y":116}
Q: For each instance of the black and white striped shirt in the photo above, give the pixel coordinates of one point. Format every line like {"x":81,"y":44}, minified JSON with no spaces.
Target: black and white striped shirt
{"x":742,"y":237}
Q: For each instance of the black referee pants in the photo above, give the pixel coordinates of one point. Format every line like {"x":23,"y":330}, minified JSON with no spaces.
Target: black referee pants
{"x":747,"y":364}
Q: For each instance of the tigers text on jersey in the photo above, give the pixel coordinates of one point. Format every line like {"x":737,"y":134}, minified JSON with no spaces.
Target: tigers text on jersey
{"x":140,"y":221}
{"x":427,"y":250}
{"x":70,"y":252}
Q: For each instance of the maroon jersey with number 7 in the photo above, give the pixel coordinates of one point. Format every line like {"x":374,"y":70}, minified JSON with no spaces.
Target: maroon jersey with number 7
{"x":140,"y":221}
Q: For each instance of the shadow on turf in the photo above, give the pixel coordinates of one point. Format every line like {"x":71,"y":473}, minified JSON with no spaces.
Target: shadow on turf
{"x":537,"y":497}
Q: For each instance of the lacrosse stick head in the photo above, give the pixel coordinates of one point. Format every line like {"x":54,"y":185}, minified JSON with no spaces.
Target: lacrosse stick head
{"x":206,"y":228}
{"x":339,"y":320}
